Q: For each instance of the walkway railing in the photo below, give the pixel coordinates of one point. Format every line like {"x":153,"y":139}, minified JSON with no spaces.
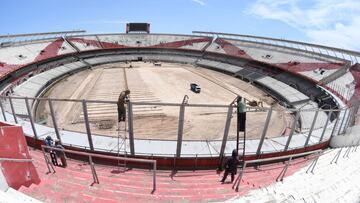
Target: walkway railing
{"x":17,"y":38}
{"x":25,"y":105}
{"x":314,"y":49}
{"x":92,"y":165}
{"x":15,"y":160}
{"x":280,"y":177}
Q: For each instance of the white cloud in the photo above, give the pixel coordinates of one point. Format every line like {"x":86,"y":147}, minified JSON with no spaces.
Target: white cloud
{"x":331,"y":22}
{"x":201,"y":2}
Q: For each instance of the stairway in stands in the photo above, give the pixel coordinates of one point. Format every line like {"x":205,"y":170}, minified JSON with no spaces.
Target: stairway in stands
{"x":74,"y":183}
{"x":107,"y":88}
{"x":148,"y":119}
{"x":141,"y":93}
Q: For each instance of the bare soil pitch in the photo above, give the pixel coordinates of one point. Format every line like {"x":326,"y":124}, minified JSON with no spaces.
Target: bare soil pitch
{"x":166,"y":84}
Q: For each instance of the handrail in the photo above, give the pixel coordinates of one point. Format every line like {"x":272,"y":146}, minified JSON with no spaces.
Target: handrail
{"x":283,"y":157}
{"x":165,"y":104}
{"x":42,"y":34}
{"x":16,"y":160}
{"x":90,"y":155}
{"x":345,"y":51}
{"x":282,"y":173}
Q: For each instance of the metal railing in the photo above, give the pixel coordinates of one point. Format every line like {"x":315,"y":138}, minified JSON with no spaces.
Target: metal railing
{"x":92,"y":165}
{"x":342,"y":124}
{"x":15,"y":160}
{"x":315,"y":49}
{"x":280,"y":177}
{"x":18,"y":38}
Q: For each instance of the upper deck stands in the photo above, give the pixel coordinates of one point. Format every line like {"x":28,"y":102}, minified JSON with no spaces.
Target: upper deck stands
{"x":25,"y":53}
{"x":264,"y":52}
{"x":154,"y":41}
{"x":85,"y":43}
{"x":219,"y":66}
{"x":355,"y":71}
{"x":290,"y":94}
{"x":287,"y":59}
{"x":304,"y":63}
{"x":14,"y":57}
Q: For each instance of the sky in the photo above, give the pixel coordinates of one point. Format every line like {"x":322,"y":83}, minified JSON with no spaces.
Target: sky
{"x":329,"y":22}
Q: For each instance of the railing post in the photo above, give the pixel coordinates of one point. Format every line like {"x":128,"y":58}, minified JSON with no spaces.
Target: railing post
{"x":12,"y":109}
{"x":87,"y":125}
{"x":283,"y":172}
{"x":336,"y":157}
{"x":47,"y":161}
{"x":181,"y":127}
{"x":174,"y":162}
{"x":347,"y":152}
{"x":226,"y":133}
{"x":195,"y":165}
{"x":311,"y":128}
{"x":2,"y":110}
{"x":154,"y":177}
{"x":325,"y":127}
{"x":350,"y":115}
{"x":292,"y":130}
{"x":342,"y":121}
{"x":266,"y":125}
{"x":239,"y":178}
{"x":313,"y":164}
{"x":93,"y":171}
{"x":356,"y":109}
{"x":335,"y":125}
{"x":53,"y":118}
{"x":30,"y":117}
{"x":131,"y":128}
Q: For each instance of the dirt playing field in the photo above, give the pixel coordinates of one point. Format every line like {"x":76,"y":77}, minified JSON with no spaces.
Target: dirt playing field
{"x":167,"y":83}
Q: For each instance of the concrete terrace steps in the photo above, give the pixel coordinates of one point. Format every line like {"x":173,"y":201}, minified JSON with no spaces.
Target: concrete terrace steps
{"x":113,"y":107}
{"x":74,"y":183}
{"x":102,"y":115}
{"x":104,"y":91}
{"x":112,"y":112}
{"x":330,"y":182}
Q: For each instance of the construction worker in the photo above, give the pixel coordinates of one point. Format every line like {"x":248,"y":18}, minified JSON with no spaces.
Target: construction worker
{"x":231,"y":166}
{"x":60,"y":154}
{"x":121,"y":105}
{"x":49,"y":141}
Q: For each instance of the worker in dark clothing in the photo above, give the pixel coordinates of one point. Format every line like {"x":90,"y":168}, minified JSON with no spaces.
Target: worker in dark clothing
{"x":61,"y":154}
{"x":231,"y":166}
{"x":121,"y":105}
{"x":50,"y":142}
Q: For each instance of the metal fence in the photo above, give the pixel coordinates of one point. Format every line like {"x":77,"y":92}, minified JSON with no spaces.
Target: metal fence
{"x":92,"y":164}
{"x":321,"y":125}
{"x":302,"y":47}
